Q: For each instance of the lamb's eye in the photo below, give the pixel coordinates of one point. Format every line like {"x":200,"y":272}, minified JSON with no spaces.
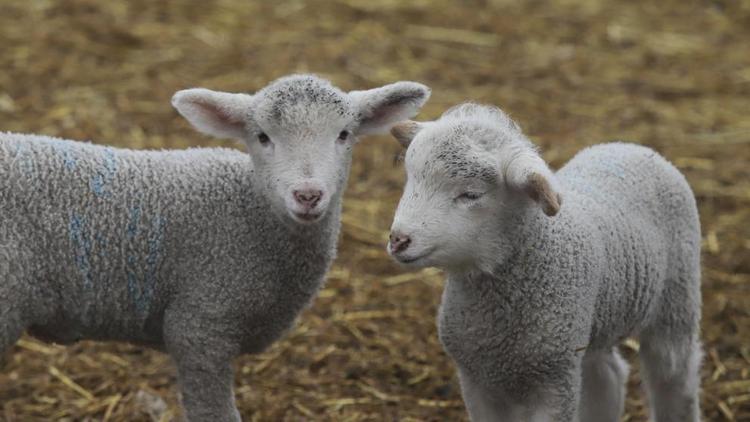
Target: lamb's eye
{"x":263,"y":138}
{"x":469,"y":196}
{"x":344,"y":135}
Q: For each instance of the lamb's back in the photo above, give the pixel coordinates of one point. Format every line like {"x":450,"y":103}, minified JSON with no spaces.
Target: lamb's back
{"x":93,"y":226}
{"x":639,"y":209}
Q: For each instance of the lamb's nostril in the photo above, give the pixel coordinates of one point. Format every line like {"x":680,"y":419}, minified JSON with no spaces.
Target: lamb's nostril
{"x":399,"y":242}
{"x":308,"y":198}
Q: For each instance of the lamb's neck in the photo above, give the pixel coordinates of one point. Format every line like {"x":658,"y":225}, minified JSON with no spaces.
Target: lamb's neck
{"x":519,"y":229}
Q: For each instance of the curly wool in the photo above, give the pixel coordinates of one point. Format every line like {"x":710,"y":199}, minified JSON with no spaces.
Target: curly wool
{"x":115,"y":244}
{"x":621,"y":258}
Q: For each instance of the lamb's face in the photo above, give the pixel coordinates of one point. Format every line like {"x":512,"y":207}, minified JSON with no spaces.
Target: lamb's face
{"x":300,"y":131}
{"x":300,"y":140}
{"x":452,"y":198}
{"x":470,"y":174}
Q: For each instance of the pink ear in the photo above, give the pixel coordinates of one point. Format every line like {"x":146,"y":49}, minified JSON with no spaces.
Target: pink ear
{"x":381,"y":108}
{"x":219,"y":114}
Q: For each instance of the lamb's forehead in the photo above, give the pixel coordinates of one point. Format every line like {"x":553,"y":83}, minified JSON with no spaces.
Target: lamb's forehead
{"x":453,"y":149}
{"x":302,"y":99}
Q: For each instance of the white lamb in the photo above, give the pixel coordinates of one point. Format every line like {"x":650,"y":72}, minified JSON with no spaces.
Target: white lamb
{"x":535,"y":305}
{"x":206,"y":253}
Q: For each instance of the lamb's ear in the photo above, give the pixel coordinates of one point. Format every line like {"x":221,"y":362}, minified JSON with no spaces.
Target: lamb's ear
{"x":404,"y":132}
{"x":380,"y":108}
{"x":529,"y":174}
{"x":219,"y":114}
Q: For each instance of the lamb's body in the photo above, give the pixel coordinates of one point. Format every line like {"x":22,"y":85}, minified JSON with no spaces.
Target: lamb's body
{"x":105,"y":243}
{"x":538,"y":295}
{"x":204,"y":253}
{"x":621,"y":258}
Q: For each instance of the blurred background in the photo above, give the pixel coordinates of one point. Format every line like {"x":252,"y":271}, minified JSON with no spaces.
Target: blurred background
{"x":672,"y":74}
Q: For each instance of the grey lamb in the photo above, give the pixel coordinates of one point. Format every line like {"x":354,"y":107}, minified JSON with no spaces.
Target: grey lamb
{"x":204,"y":253}
{"x":540,"y":293}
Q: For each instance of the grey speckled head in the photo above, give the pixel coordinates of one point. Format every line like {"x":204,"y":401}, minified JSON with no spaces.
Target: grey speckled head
{"x":300,"y":131}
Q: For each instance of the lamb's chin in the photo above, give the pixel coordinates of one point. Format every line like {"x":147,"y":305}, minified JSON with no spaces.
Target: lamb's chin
{"x":421,"y":260}
{"x":306,"y":219}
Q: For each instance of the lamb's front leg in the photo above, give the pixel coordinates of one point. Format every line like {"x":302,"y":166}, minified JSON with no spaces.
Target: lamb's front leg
{"x":486,"y":404}
{"x":556,"y":401}
{"x":204,"y":369}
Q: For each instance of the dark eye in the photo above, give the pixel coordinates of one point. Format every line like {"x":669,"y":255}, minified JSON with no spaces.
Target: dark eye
{"x":263,"y":138}
{"x":469,"y":196}
{"x":344,"y":135}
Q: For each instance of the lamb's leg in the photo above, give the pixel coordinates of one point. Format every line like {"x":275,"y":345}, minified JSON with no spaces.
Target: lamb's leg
{"x":204,"y":371}
{"x":483,"y":404}
{"x":11,"y":328}
{"x":670,"y":369}
{"x":556,"y":402}
{"x":12,"y":322}
{"x":670,"y":349}
{"x":603,"y":384}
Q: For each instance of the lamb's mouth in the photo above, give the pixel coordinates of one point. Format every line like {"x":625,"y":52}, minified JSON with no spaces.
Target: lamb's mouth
{"x":309,"y":217}
{"x":413,"y":259}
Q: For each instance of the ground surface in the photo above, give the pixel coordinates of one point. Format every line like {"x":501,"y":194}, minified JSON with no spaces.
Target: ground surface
{"x":674,"y":75}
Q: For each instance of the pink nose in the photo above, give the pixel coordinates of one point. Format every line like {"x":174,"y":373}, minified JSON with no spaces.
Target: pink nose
{"x":308,"y":198}
{"x":399,"y":242}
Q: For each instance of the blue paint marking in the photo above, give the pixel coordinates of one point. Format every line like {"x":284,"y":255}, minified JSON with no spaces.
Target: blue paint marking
{"x":25,"y":156}
{"x":155,"y":241}
{"x":141,"y":289}
{"x":65,"y":150}
{"x":132,"y":232}
{"x":132,"y":280}
{"x":135,"y":217}
{"x":81,"y":248}
{"x":105,"y":175}
{"x":101,"y":245}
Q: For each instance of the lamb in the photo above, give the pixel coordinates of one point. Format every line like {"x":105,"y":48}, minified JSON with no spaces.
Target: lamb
{"x":548,"y":272}
{"x":204,"y":253}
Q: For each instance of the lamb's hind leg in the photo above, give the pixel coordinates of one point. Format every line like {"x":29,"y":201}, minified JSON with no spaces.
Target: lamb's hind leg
{"x":11,"y":324}
{"x":671,"y":354}
{"x":670,"y":369}
{"x":12,"y":321}
{"x":603,"y":395}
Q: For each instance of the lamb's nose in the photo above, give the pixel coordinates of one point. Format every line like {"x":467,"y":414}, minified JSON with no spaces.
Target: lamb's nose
{"x":308,"y":198}
{"x":399,"y":242}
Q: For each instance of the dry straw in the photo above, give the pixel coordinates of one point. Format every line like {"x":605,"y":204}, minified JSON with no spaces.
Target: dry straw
{"x":674,"y":75}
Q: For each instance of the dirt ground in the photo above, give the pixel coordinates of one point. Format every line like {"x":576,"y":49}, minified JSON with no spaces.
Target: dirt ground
{"x":674,"y":75}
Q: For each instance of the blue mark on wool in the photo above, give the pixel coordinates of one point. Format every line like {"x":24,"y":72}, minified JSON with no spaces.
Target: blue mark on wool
{"x":155,"y":241}
{"x":132,"y":280}
{"x":64,"y":149}
{"x":132,"y":232}
{"x":101,"y":245}
{"x":135,"y":217}
{"x":25,"y":157}
{"x":141,"y":285}
{"x":81,"y":248}
{"x":100,"y":181}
